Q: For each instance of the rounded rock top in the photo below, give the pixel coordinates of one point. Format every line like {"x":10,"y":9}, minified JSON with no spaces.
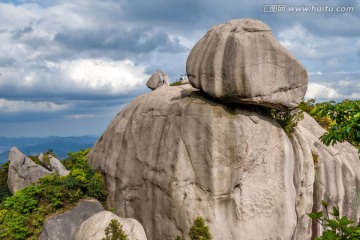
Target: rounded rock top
{"x":242,"y":62}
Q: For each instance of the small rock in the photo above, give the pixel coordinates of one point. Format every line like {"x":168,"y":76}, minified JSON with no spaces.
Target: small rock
{"x":157,"y":80}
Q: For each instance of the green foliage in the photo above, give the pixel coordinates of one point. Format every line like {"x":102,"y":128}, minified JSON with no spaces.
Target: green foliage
{"x":114,"y":231}
{"x":345,"y":121}
{"x":309,"y":107}
{"x":337,"y":228}
{"x":22,"y":215}
{"x":287,"y":119}
{"x":199,"y":231}
{"x":46,"y":160}
{"x":177,"y":83}
{"x":36,"y":160}
{"x":4,"y":190}
{"x":179,"y":238}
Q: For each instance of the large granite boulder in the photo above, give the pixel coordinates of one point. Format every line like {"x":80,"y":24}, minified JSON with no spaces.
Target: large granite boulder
{"x":23,"y":171}
{"x":63,"y":226}
{"x":94,"y":227}
{"x":175,"y":154}
{"x":241,"y":62}
{"x":157,"y":80}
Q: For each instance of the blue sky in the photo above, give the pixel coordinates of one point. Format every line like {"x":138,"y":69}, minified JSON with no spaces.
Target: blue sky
{"x":68,"y":67}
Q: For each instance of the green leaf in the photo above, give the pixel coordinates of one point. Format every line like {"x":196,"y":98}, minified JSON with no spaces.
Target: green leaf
{"x":325,"y":204}
{"x":335,"y":212}
{"x":329,"y":235}
{"x":332,"y":223}
{"x":315,"y":216}
{"x":344,"y":221}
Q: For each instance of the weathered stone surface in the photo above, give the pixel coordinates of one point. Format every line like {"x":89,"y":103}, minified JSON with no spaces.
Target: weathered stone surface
{"x":22,"y":171}
{"x":241,"y":62}
{"x":157,"y":80}
{"x":173,"y":155}
{"x":322,"y":173}
{"x":63,"y":226}
{"x":94,"y":227}
{"x":55,"y":165}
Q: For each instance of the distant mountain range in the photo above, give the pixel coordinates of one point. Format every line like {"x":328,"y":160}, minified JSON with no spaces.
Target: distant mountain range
{"x":34,"y":146}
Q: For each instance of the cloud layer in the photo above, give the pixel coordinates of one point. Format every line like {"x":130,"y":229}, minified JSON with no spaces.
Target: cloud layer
{"x":77,"y":62}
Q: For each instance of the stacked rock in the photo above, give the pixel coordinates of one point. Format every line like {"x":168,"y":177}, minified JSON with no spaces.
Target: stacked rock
{"x":242,"y":62}
{"x":157,"y":80}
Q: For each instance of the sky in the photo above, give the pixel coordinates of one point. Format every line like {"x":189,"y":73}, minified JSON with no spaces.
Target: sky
{"x":68,"y":67}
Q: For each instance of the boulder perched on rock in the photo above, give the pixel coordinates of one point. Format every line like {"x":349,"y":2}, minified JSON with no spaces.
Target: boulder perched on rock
{"x":241,"y":62}
{"x":175,"y":154}
{"x":63,"y":226}
{"x":23,"y":171}
{"x":157,"y":80}
{"x":94,"y":227}
{"x":54,"y":164}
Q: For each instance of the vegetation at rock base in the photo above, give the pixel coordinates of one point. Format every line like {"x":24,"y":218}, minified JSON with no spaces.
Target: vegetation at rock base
{"x":198,"y":231}
{"x":114,"y":231}
{"x":335,"y":226}
{"x":179,"y":238}
{"x":4,"y":190}
{"x":22,"y":215}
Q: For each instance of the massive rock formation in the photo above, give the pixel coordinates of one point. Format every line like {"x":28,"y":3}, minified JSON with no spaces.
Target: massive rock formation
{"x":23,"y":171}
{"x":157,"y":80}
{"x":179,"y":152}
{"x":241,"y":61}
{"x":94,"y":227}
{"x":173,"y":155}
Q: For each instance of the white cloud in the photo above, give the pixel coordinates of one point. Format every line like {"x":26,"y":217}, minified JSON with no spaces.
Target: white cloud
{"x":80,"y":116}
{"x":305,"y":45}
{"x":88,"y":76}
{"x":354,"y":96}
{"x":100,"y":76}
{"x":320,"y":91}
{"x":315,"y":73}
{"x":18,"y":16}
{"x":345,"y":83}
{"x":29,"y":106}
